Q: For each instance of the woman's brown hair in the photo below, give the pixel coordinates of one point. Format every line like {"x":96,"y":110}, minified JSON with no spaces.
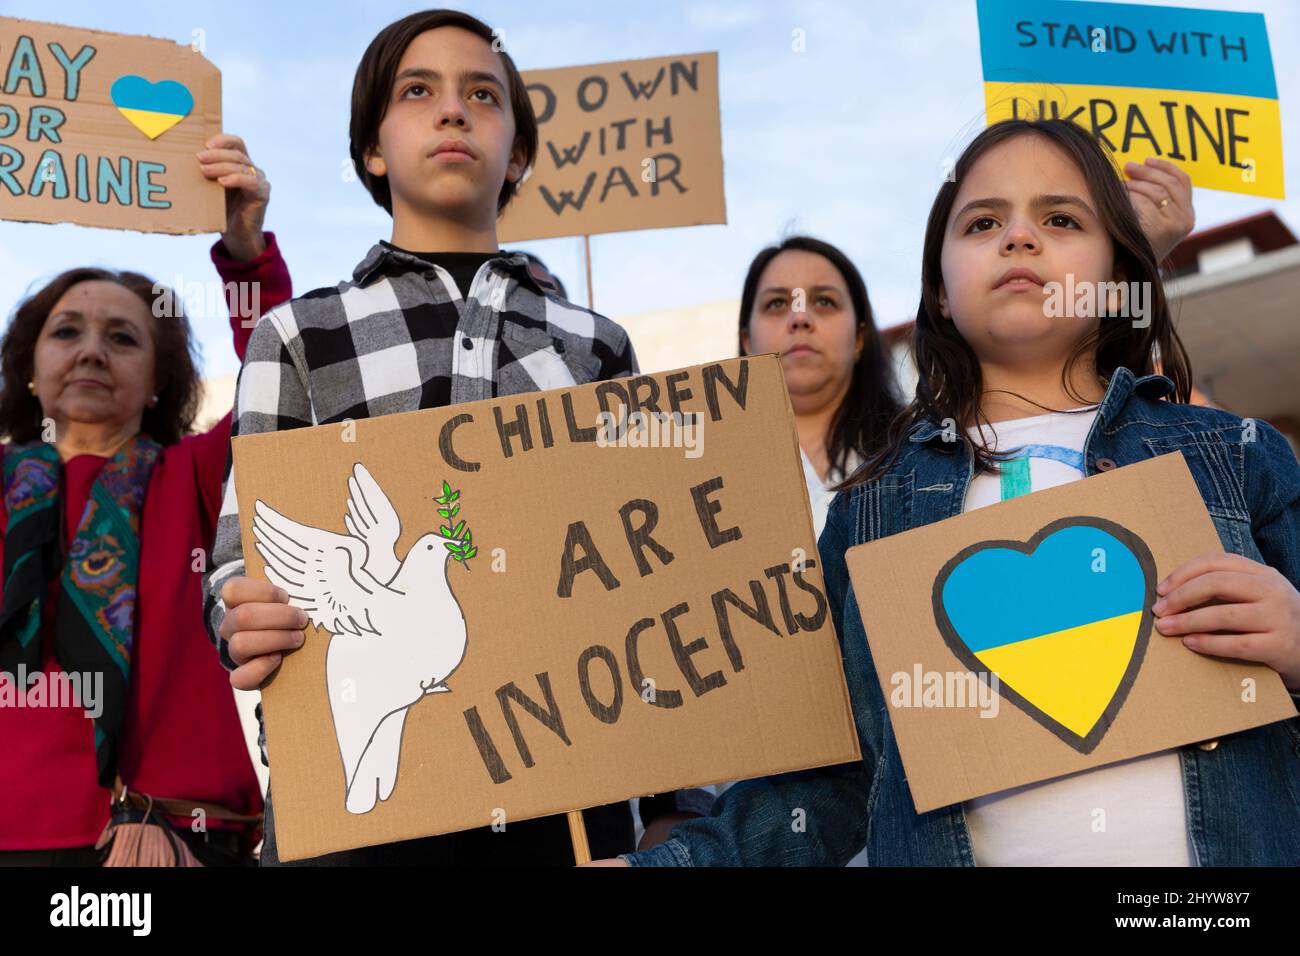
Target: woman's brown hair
{"x":373,"y":86}
{"x":176,"y":376}
{"x":950,"y":383}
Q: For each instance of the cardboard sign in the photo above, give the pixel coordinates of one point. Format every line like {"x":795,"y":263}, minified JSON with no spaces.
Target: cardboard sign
{"x":630,"y":145}
{"x":520,"y":608}
{"x":1194,"y":87}
{"x":1015,"y":643}
{"x":101,"y":129}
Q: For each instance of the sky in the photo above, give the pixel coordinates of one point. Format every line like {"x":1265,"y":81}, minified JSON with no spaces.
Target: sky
{"x":847,"y":140}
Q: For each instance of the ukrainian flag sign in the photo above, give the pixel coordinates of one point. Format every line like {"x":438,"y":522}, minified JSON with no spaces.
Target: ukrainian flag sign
{"x":1067,"y":641}
{"x":1016,"y":643}
{"x":152,"y":108}
{"x":1195,"y":87}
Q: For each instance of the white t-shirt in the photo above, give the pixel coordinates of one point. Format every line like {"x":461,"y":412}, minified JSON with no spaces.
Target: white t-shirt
{"x":820,"y":495}
{"x":1131,"y":813}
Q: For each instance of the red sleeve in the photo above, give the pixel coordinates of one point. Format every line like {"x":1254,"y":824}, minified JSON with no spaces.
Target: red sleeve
{"x":252,"y":288}
{"x":211,"y":449}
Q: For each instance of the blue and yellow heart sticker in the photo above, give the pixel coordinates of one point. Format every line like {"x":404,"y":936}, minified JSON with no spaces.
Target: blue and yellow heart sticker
{"x":152,"y":108}
{"x":1063,"y":619}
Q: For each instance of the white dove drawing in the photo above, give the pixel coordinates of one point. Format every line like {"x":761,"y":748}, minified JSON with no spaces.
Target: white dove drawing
{"x":396,"y":630}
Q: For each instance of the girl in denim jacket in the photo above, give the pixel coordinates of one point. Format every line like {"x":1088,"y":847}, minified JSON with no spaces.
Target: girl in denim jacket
{"x":1014,"y":397}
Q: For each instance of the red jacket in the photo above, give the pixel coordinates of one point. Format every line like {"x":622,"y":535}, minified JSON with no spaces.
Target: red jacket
{"x":181,"y":735}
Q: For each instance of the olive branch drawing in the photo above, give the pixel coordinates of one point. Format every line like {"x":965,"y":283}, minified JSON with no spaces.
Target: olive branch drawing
{"x":462,"y":548}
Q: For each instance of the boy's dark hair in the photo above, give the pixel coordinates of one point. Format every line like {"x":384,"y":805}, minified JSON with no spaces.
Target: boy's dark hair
{"x":950,"y":381}
{"x":374,"y":83}
{"x":859,"y":423}
{"x":176,"y":376}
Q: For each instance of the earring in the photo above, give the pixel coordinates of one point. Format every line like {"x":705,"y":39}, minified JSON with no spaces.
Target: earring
{"x":153,"y":401}
{"x":31,"y":387}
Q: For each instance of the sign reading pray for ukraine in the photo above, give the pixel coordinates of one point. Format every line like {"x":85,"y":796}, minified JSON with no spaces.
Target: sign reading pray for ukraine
{"x":1194,"y":87}
{"x":101,"y":129}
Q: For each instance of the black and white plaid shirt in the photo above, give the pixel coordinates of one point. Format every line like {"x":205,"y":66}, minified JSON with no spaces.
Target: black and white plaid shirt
{"x":399,"y":338}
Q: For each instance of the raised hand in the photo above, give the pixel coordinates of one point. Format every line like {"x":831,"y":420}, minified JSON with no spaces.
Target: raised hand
{"x":1161,"y":194}
{"x":248,"y":191}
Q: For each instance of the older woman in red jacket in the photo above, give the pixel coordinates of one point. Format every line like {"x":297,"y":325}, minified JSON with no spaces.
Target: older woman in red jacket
{"x":109,"y":690}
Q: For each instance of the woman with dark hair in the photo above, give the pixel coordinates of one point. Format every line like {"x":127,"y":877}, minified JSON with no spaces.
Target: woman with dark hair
{"x":805,"y":300}
{"x":109,"y":691}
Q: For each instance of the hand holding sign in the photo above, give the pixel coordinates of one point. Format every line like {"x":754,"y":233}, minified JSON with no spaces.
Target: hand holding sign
{"x":1256,"y":617}
{"x":1162,"y":197}
{"x":260,"y":626}
{"x":225,"y":160}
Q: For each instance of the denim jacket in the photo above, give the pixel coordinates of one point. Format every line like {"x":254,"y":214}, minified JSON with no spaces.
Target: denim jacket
{"x":1242,"y":792}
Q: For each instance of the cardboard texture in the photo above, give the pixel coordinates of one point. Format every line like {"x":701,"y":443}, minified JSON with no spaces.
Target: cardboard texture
{"x":101,"y":129}
{"x":1195,"y":87}
{"x":629,"y":145}
{"x":568,"y":631}
{"x":1052,"y":592}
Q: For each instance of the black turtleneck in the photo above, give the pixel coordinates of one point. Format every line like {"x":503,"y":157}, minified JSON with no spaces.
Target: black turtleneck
{"x":463,"y":266}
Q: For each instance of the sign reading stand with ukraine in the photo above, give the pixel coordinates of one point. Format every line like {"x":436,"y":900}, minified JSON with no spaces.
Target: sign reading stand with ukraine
{"x":101,"y":129}
{"x":1015,"y":643}
{"x":1194,"y":87}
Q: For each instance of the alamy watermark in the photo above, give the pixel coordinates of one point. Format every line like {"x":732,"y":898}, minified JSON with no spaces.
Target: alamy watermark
{"x":242,"y":299}
{"x":922,"y":688}
{"x":74,"y":908}
{"x":652,"y":429}
{"x":61,"y":689}
{"x":1090,"y":300}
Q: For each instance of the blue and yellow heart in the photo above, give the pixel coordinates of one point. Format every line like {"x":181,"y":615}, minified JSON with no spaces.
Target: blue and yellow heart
{"x":1063,"y":619}
{"x":152,"y":108}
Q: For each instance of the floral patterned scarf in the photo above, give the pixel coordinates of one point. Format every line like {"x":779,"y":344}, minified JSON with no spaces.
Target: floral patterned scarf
{"x":95,"y":614}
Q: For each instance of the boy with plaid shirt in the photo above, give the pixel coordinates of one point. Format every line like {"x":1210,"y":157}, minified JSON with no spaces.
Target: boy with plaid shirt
{"x":442,"y":131}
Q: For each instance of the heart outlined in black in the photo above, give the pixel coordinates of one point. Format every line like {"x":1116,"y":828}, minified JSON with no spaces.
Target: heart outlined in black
{"x":1137,"y":547}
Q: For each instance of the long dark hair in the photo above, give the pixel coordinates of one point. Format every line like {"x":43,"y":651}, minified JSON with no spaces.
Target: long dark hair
{"x":176,"y":376}
{"x":950,"y":382}
{"x":373,"y":85}
{"x":871,"y":402}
